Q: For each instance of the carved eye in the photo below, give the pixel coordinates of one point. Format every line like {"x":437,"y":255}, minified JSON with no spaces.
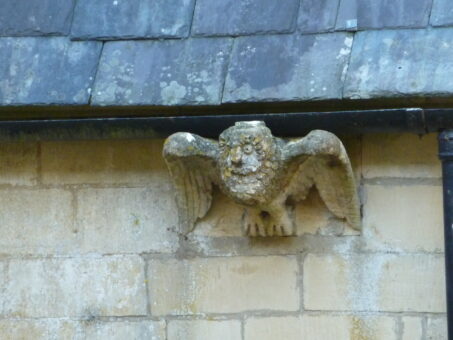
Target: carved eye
{"x":222,"y":143}
{"x":247,"y":149}
{"x":258,"y":146}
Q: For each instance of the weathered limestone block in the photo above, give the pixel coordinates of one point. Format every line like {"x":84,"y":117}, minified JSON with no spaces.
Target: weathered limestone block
{"x":127,"y":220}
{"x":37,"y":221}
{"x":18,"y":163}
{"x":120,"y":330}
{"x":262,"y":173}
{"x":375,"y":282}
{"x":400,"y":155}
{"x":170,"y":72}
{"x":436,"y":328}
{"x":109,"y":19}
{"x":321,"y":327}
{"x":204,"y":330}
{"x":76,"y":287}
{"x":403,"y":218}
{"x":412,"y":328}
{"x":105,"y":162}
{"x":223,"y":285}
{"x":287,"y":67}
{"x":51,"y":329}
{"x":243,"y":17}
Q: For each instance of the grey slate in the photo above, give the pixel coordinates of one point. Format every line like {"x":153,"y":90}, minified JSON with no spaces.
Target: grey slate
{"x":392,"y":63}
{"x":110,"y":19}
{"x":172,"y":72}
{"x":317,"y":15}
{"x":46,"y":70}
{"x":242,"y":17}
{"x":442,"y":13}
{"x":374,"y":14}
{"x":287,"y":67}
{"x":35,"y":17}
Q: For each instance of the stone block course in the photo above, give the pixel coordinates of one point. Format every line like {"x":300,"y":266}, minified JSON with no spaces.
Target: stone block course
{"x":120,"y":330}
{"x":76,"y":287}
{"x":403,"y":218}
{"x":412,"y":328}
{"x":374,"y":282}
{"x":133,"y":162}
{"x":442,"y":13}
{"x":377,"y":54}
{"x":243,"y":17}
{"x":223,"y":285}
{"x":400,"y":155}
{"x":173,"y":72}
{"x":38,"y":221}
{"x":107,"y":19}
{"x":321,"y":327}
{"x":35,"y":17}
{"x":128,"y":220}
{"x":46,"y":71}
{"x":287,"y":67}
{"x":436,"y":328}
{"x":204,"y":330}
{"x":50,"y":329}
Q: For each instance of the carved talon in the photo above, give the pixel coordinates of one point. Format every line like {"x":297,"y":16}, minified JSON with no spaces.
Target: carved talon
{"x":254,"y":224}
{"x":280,"y":227}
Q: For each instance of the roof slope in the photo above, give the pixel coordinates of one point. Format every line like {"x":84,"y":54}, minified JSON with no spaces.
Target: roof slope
{"x":210,"y":52}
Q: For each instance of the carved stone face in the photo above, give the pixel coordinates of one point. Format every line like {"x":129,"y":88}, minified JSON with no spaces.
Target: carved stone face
{"x":248,"y":156}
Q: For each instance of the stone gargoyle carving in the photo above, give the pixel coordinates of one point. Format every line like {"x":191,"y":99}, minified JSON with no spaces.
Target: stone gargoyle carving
{"x":262,"y":173}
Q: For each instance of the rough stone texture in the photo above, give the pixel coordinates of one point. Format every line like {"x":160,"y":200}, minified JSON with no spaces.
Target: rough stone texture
{"x":371,"y":14}
{"x":416,"y":156}
{"x":385,"y":228}
{"x":162,"y":72}
{"x":152,"y":330}
{"x":46,"y":70}
{"x":412,"y":328}
{"x":247,"y":284}
{"x":35,"y":17}
{"x":442,"y":13}
{"x":38,"y":221}
{"x":321,"y":327}
{"x":18,"y":163}
{"x":377,"y":54}
{"x":77,"y":287}
{"x":113,"y":19}
{"x":374,"y":282}
{"x":204,"y":330}
{"x":287,"y":67}
{"x":317,"y":15}
{"x":241,"y":17}
{"x":127,"y":220}
{"x":436,"y":328}
{"x":132,"y":162}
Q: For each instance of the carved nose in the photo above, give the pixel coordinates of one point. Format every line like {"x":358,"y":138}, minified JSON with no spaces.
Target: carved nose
{"x":236,"y":156}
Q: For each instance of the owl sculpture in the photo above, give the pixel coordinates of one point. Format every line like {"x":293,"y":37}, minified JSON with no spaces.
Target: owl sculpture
{"x":261,"y":172}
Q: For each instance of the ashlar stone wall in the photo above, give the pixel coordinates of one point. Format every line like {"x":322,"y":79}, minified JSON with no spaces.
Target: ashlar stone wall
{"x":90,"y":250}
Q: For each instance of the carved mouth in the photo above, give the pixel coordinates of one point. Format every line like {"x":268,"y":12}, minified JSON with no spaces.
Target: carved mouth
{"x":243,"y":170}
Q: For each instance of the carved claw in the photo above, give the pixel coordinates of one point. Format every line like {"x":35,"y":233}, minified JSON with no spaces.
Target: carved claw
{"x":280,"y":226}
{"x":254,"y":225}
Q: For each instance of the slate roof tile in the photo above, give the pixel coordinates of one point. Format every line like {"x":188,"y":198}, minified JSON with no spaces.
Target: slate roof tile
{"x":287,"y":67}
{"x":243,"y":17}
{"x":442,"y":13}
{"x":35,"y":17}
{"x":121,"y":19}
{"x":373,"y":14}
{"x":171,"y":72}
{"x":317,"y":16}
{"x":46,"y":70}
{"x":391,"y":63}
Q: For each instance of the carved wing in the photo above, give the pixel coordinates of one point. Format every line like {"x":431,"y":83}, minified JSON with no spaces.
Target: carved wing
{"x":320,"y":159}
{"x":191,"y":161}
